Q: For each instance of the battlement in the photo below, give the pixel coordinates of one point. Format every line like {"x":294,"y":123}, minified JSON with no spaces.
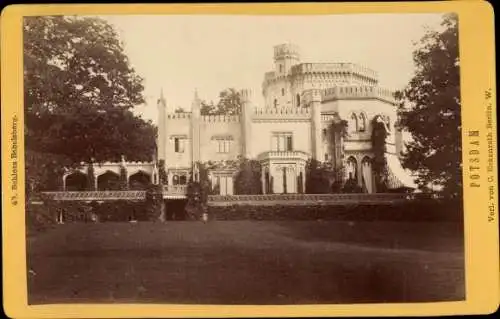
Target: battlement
{"x":220,"y":118}
{"x":358,"y":92}
{"x":246,"y":95}
{"x":339,"y":68}
{"x":286,"y":50}
{"x":281,"y":113}
{"x":174,"y":116}
{"x":313,"y":95}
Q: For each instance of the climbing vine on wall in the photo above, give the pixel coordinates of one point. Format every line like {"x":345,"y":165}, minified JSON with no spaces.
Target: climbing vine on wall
{"x":379,"y":163}
{"x":339,"y":128}
{"x":162,"y":172}
{"x":123,"y":178}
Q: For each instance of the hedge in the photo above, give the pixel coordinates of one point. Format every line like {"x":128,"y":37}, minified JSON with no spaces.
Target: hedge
{"x":415,"y":211}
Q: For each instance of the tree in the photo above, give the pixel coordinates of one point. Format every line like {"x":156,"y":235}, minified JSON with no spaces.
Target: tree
{"x":323,"y":177}
{"x":248,"y":179}
{"x":229,"y":102}
{"x":79,"y":93}
{"x":208,"y":108}
{"x":430,"y":111}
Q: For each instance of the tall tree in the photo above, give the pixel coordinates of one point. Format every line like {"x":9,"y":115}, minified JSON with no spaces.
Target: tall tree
{"x":229,"y":102}
{"x":208,"y":108}
{"x":430,"y":111}
{"x":79,"y":91}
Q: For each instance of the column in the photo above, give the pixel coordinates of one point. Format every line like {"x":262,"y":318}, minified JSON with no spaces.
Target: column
{"x":64,"y":183}
{"x":316,"y":124}
{"x":303,"y":179}
{"x":263,"y":179}
{"x":278,"y":180}
{"x":223,"y":188}
{"x":291,"y":180}
{"x":230,"y":185}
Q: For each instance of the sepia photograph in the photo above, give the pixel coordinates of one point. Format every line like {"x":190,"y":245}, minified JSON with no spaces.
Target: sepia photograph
{"x":243,"y":159}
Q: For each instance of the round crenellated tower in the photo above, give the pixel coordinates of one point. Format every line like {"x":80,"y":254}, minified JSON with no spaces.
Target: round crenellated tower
{"x":285,"y":56}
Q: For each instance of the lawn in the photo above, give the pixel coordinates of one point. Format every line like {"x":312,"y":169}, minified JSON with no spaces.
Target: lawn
{"x":247,"y":262}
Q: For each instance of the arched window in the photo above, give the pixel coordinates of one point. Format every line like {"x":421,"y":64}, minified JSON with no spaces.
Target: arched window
{"x":139,"y":180}
{"x":353,"y":123}
{"x":298,"y":100}
{"x":108,"y":181}
{"x":362,"y":122}
{"x":76,"y":181}
{"x":183,"y":180}
{"x":275,"y":102}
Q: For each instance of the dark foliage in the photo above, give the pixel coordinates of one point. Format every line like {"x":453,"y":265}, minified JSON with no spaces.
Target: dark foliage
{"x":431,"y":111}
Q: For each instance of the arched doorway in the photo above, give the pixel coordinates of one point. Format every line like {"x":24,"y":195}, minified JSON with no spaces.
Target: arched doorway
{"x":108,"y":181}
{"x":351,"y":168}
{"x":139,"y":181}
{"x":367,"y":175}
{"x":76,"y":181}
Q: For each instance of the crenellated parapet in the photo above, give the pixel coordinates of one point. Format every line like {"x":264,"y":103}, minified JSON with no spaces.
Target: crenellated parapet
{"x":179,"y":116}
{"x":282,"y":113}
{"x":220,"y":118}
{"x":358,"y":92}
{"x":311,"y":96}
{"x":336,"y":68}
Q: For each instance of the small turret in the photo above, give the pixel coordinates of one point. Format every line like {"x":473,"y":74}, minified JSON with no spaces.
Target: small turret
{"x":195,"y":128}
{"x":246,"y":121}
{"x":162,"y":120}
{"x":196,"y":104}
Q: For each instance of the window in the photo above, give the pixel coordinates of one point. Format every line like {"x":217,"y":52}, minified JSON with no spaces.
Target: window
{"x":281,"y":68}
{"x":183,"y":180}
{"x":353,"y":123}
{"x":275,"y":102}
{"x":282,"y":142}
{"x":282,"y":92}
{"x":223,"y":145}
{"x":362,"y":122}
{"x":298,"y":100}
{"x":179,"y":144}
{"x":326,"y":157}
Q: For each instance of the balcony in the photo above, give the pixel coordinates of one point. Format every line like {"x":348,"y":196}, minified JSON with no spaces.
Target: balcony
{"x":284,"y":155}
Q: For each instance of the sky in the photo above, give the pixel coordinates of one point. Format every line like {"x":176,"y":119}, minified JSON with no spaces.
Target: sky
{"x":208,"y":53}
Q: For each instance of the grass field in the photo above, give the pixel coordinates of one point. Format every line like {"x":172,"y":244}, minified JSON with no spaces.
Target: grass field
{"x":247,"y":262}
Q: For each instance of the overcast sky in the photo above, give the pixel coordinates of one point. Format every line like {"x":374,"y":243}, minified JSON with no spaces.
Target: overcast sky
{"x":179,"y":53}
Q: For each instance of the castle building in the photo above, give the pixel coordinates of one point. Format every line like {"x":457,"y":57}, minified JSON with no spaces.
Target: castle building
{"x":302,"y":101}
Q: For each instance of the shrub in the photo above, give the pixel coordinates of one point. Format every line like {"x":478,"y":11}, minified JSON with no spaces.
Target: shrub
{"x":418,"y":210}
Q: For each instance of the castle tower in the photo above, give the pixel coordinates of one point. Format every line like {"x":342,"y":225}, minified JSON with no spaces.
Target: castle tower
{"x":195,"y":128}
{"x":246,"y":122}
{"x":162,"y":121}
{"x":285,"y":56}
